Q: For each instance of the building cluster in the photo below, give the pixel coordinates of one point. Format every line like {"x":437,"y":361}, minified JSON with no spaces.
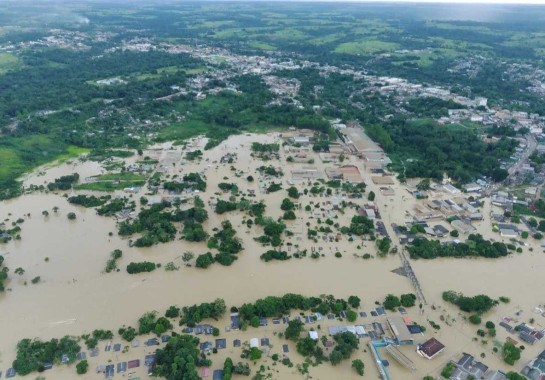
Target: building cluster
{"x":535,"y":369}
{"x":467,"y":367}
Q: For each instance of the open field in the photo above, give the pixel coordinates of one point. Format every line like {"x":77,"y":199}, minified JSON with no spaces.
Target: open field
{"x":366,"y":47}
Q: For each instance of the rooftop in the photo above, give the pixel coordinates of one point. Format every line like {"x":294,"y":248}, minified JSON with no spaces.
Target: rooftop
{"x":431,"y":348}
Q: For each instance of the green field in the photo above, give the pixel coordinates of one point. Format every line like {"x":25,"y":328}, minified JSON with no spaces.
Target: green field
{"x":262,"y":46}
{"x":366,"y":47}
{"x":113,"y":181}
{"x":171,"y":70}
{"x":8,"y":62}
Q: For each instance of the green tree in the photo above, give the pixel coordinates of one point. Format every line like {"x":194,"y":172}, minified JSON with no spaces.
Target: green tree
{"x":475,"y":319}
{"x":510,"y":353}
{"x":289,"y":215}
{"x":254,"y":322}
{"x":178,"y":359}
{"x":423,"y":185}
{"x":293,"y":192}
{"x":515,"y":376}
{"x":354,"y":301}
{"x":82,"y":367}
{"x":335,"y":357}
{"x":408,"y":300}
{"x":358,"y":365}
{"x":287,"y":205}
{"x":351,"y":315}
{"x":371,"y":196}
{"x":227,"y":369}
{"x":204,"y":260}
{"x":255,"y":354}
{"x":294,"y":329}
{"x":391,"y":302}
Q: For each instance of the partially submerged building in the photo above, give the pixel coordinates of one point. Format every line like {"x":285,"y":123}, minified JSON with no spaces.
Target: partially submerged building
{"x":430,"y":349}
{"x":399,"y":329}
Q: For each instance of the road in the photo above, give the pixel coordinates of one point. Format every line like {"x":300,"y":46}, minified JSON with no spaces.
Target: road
{"x":531,"y":146}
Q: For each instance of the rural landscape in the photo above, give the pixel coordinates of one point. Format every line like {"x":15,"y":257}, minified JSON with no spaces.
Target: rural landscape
{"x":219,"y":190}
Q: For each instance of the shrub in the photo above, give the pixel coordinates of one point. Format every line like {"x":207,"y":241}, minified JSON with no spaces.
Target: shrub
{"x":475,"y":319}
{"x":82,"y":367}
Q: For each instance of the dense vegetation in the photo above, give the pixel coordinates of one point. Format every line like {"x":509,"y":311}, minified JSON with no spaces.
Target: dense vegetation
{"x":3,"y":273}
{"x":191,"y":315}
{"x":475,"y":245}
{"x":435,"y":149}
{"x":277,"y":306}
{"x":479,"y":304}
{"x":155,"y":223}
{"x":178,"y":359}
{"x":63,"y":183}
{"x":32,"y":355}
{"x":144,"y":266}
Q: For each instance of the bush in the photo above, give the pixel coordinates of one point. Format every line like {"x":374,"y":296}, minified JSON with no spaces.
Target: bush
{"x":275,"y":255}
{"x":510,"y":353}
{"x":127,"y":333}
{"x":447,"y":370}
{"x":358,"y":366}
{"x":82,"y":367}
{"x":480,"y":303}
{"x":354,"y":301}
{"x":391,"y":302}
{"x":204,"y":260}
{"x":475,"y":319}
{"x":144,"y":266}
{"x":408,"y":300}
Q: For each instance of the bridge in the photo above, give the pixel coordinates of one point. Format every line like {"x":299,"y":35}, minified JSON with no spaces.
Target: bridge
{"x":407,"y":268}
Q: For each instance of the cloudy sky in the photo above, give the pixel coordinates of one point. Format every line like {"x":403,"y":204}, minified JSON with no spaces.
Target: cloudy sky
{"x":460,"y":1}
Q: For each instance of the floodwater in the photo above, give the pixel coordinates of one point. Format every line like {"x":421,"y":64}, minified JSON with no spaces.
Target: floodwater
{"x":75,"y":296}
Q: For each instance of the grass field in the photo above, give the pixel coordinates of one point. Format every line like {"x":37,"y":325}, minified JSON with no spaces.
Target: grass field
{"x":11,"y":163}
{"x":366,"y":47}
{"x":113,"y":181}
{"x":71,"y":152}
{"x":183,"y":131}
{"x":262,"y":45}
{"x":171,"y":70}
